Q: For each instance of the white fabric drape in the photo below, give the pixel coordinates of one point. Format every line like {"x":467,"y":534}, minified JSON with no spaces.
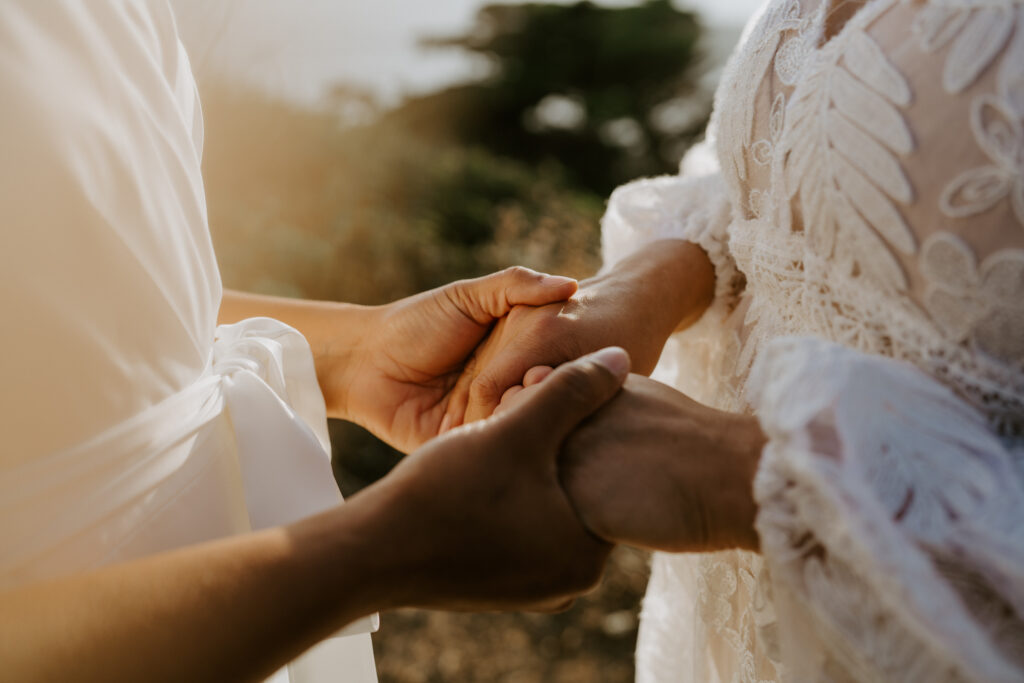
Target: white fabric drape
{"x":132,"y":423}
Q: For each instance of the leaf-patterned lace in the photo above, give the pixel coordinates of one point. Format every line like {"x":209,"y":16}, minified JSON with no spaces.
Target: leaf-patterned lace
{"x":842,"y":234}
{"x":843,"y":131}
{"x":837,"y":194}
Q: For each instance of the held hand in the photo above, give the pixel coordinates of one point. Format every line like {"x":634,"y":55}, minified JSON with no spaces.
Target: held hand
{"x":636,"y":306}
{"x":398,"y":380}
{"x":479,"y":512}
{"x":657,"y":470}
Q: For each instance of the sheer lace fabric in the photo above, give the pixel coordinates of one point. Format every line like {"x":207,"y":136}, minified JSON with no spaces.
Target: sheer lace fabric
{"x":874,"y":174}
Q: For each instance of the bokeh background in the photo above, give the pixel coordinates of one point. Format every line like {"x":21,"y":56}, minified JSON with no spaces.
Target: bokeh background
{"x":365,"y":150}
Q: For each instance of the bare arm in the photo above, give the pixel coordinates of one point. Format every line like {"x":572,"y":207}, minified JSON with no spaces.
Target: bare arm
{"x":430,"y":534}
{"x":335,"y":333}
{"x":230,"y":610}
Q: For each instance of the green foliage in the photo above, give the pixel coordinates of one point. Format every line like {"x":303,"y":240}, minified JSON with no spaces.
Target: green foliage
{"x":613,"y":67}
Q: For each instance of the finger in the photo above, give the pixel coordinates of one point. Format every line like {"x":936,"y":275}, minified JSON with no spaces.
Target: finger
{"x":493,"y":296}
{"x":554,"y":606}
{"x":510,"y":394}
{"x":458,"y":398}
{"x":572,"y":392}
{"x":507,"y":401}
{"x":536,"y":375}
{"x":487,"y":388}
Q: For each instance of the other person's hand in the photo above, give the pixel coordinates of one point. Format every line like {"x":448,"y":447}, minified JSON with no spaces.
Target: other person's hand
{"x":658,"y":470}
{"x":637,"y":306}
{"x":476,"y":519}
{"x":397,"y":378}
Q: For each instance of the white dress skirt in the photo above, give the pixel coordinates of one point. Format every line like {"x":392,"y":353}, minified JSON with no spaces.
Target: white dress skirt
{"x":133,"y":424}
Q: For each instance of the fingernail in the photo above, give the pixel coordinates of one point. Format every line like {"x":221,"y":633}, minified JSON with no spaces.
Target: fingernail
{"x":446,"y":423}
{"x":614,"y":358}
{"x":556,"y":281}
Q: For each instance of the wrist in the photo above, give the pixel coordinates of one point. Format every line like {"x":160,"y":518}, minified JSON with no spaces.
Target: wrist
{"x":358,"y":556}
{"x":334,"y":331}
{"x":674,"y":278}
{"x":744,"y":441}
{"x":339,"y":346}
{"x":662,"y":287}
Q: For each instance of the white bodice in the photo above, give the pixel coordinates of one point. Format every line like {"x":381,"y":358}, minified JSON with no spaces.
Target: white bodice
{"x":876,"y":176}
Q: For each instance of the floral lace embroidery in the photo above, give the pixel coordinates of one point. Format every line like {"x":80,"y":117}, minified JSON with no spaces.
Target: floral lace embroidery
{"x":740,"y":87}
{"x":983,"y":304}
{"x":977,"y":32}
{"x":914,"y":485}
{"x":725,"y":579}
{"x":1000,"y":134}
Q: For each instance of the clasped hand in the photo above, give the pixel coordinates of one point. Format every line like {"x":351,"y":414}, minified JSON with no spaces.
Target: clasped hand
{"x":652,"y":468}
{"x":396,"y":377}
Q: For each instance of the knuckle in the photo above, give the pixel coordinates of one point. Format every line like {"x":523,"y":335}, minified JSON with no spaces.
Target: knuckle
{"x":580,"y":382}
{"x":516,"y":274}
{"x":460,"y":295}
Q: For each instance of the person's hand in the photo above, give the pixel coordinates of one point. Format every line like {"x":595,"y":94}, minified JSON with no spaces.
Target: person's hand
{"x":397,"y":379}
{"x":476,"y":519}
{"x":658,"y":470}
{"x":636,"y":306}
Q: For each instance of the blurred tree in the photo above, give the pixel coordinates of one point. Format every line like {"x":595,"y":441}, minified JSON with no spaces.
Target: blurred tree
{"x":578,"y":85}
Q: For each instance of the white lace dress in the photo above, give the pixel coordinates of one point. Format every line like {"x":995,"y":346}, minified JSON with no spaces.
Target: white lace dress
{"x":865,"y":215}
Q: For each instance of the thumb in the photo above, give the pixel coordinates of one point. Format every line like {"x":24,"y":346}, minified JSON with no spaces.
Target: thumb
{"x":570,"y":395}
{"x":493,"y":296}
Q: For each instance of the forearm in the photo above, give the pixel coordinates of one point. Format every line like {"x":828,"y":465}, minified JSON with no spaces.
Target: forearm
{"x":235,"y":609}
{"x":672,"y":279}
{"x":334,"y":332}
{"x":663,"y":287}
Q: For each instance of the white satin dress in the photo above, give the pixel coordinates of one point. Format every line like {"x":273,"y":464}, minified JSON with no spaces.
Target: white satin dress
{"x":132,"y":424}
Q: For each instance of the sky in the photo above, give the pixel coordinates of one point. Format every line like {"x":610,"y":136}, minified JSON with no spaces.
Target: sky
{"x":298,"y":49}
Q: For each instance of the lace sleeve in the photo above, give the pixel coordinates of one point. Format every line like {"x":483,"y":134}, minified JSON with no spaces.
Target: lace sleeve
{"x":891,"y":520}
{"x":692,"y":206}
